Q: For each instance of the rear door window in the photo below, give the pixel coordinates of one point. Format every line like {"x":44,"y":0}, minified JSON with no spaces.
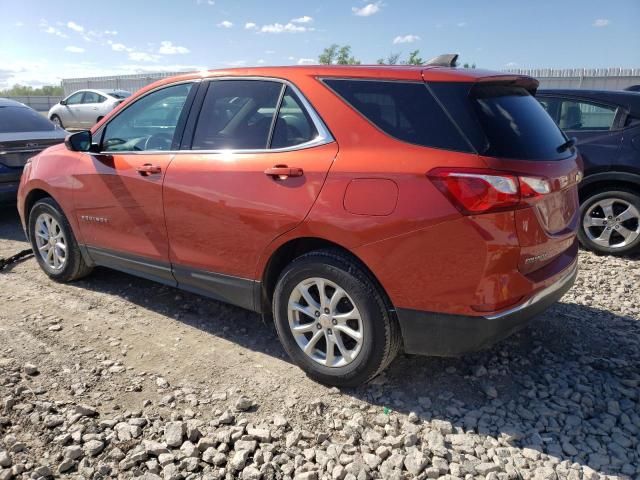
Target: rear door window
{"x":237,"y":115}
{"x":515,"y":124}
{"x":576,"y":115}
{"x":404,"y":110}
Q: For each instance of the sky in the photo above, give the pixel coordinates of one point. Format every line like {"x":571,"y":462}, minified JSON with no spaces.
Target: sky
{"x":43,"y":41}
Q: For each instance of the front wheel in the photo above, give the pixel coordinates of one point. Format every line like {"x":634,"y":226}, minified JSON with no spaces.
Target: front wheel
{"x":54,"y":244}
{"x":333,"y":320}
{"x":610,"y":222}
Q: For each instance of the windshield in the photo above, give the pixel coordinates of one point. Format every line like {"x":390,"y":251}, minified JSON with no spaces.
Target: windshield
{"x":23,"y":119}
{"x":516,"y":125}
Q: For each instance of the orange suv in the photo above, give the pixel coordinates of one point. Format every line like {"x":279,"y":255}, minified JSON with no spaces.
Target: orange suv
{"x":365,"y":209}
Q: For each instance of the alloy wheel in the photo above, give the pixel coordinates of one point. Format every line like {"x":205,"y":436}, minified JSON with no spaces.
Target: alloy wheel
{"x":612,"y":223}
{"x":325,"y":322}
{"x":51,"y":242}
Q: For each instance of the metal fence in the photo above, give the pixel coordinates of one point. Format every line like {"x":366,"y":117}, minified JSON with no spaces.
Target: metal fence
{"x":585,"y":78}
{"x":38,"y":103}
{"x":130,"y":82}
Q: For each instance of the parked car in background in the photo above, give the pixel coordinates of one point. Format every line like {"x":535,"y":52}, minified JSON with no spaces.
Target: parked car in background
{"x":633,"y":88}
{"x":366,"y":209}
{"x":84,"y":108}
{"x":606,"y":125}
{"x":23,"y":134}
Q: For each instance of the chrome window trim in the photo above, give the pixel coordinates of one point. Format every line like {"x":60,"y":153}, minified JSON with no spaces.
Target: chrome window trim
{"x":324,"y":135}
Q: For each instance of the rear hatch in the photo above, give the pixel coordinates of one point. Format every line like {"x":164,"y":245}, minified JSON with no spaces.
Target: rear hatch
{"x":24,"y":133}
{"x":514,"y":135}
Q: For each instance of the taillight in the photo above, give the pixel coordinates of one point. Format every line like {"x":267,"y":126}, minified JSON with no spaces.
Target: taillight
{"x":475,"y":191}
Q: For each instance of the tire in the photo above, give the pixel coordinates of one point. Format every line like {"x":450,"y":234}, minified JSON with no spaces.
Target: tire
{"x":56,"y":119}
{"x":73,"y":266}
{"x":624,"y":224}
{"x":353,"y":362}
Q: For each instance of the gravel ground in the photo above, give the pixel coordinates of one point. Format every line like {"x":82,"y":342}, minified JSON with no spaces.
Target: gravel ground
{"x":116,"y":377}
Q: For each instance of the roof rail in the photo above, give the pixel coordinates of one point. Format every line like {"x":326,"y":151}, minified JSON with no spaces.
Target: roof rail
{"x":444,"y":60}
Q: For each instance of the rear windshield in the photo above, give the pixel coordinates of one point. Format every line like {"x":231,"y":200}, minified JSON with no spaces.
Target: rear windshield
{"x":120,"y":94}
{"x":404,"y":110}
{"x":23,"y":119}
{"x":516,"y":125}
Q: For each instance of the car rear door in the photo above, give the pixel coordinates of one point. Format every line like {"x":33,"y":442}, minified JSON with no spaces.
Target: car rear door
{"x":256,"y":160}
{"x":88,"y":110}
{"x":119,"y":195}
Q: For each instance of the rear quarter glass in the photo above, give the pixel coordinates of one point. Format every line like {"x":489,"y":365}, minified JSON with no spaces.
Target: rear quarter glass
{"x":502,"y":121}
{"x":403,"y":110}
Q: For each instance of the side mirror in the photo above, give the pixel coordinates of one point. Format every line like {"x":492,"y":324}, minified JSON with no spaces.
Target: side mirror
{"x":79,"y":141}
{"x":63,"y":102}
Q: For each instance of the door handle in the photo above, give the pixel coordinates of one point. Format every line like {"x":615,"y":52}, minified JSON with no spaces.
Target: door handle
{"x":282,"y":172}
{"x":148,"y":169}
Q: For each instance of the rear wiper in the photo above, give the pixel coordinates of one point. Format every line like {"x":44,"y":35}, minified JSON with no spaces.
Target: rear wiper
{"x":567,"y":145}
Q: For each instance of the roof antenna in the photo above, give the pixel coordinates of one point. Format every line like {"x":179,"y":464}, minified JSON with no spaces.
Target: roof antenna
{"x":444,"y":60}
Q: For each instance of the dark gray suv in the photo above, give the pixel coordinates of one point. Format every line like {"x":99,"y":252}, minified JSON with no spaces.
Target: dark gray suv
{"x":606,"y":125}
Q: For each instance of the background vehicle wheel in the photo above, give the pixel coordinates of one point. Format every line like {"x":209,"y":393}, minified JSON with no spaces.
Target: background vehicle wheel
{"x":53,"y":243}
{"x":332,"y":319}
{"x":56,"y":120}
{"x":610,"y":222}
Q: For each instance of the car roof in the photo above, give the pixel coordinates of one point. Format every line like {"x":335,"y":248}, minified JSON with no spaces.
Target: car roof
{"x":106,"y":91}
{"x":623,"y":98}
{"x":7,"y":102}
{"x":374,"y":72}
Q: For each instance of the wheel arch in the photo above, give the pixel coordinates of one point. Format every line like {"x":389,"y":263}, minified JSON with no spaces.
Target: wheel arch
{"x":30,"y":200}
{"x":291,"y":250}
{"x":600,"y":182}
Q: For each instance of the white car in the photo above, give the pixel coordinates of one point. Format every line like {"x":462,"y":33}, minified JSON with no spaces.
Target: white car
{"x":84,"y":108}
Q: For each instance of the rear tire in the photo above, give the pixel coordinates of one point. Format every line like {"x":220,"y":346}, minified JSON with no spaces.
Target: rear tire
{"x":610,"y":222}
{"x":54,"y":245}
{"x":353,"y":307}
{"x":56,"y":119}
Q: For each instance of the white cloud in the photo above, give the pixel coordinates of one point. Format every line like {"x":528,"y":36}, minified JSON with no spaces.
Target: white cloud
{"x":261,"y":61}
{"x":119,"y":47}
{"x":406,"y":39}
{"x":269,"y":52}
{"x":304,"y":19}
{"x":208,"y":2}
{"x":225,"y":24}
{"x":236,"y":63}
{"x":143,"y":57}
{"x":75,"y":27}
{"x":74,"y":49}
{"x":280,"y":28}
{"x":19,"y":24}
{"x":307,"y":61}
{"x":111,"y":32}
{"x":602,"y":22}
{"x":461,"y":24}
{"x":250,"y":26}
{"x":368,"y":10}
{"x":54,"y":31}
{"x":168,"y":48}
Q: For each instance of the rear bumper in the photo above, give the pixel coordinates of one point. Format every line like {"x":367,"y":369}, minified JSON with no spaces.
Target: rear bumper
{"x":445,"y":335}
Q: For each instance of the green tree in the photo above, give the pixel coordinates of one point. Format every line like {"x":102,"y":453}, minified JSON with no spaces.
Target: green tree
{"x":25,"y":90}
{"x":336,"y":54}
{"x":415,"y":58}
{"x":392,"y":59}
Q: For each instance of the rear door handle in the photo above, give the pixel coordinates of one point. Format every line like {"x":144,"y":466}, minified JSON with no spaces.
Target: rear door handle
{"x":282,"y":172}
{"x":148,"y":169}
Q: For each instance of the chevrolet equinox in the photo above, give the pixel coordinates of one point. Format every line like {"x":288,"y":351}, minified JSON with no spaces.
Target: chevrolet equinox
{"x":366,"y":209}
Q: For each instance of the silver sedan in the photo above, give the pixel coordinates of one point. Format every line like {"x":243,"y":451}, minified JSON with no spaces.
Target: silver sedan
{"x":82,"y":109}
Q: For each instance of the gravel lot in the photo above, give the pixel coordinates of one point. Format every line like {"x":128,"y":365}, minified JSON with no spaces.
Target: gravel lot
{"x":116,"y":377}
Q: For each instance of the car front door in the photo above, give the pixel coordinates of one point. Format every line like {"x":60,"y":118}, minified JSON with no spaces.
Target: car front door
{"x":258,"y":158}
{"x":71,"y":117}
{"x":119,"y":194}
{"x":594,"y":125}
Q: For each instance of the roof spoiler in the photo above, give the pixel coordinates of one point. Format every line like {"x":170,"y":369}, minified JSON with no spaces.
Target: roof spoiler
{"x":444,"y":60}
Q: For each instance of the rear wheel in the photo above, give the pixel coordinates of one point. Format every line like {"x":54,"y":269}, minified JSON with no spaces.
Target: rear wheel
{"x":54,"y":244}
{"x":332,"y":319}
{"x":610,"y":222}
{"x":56,"y":120}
